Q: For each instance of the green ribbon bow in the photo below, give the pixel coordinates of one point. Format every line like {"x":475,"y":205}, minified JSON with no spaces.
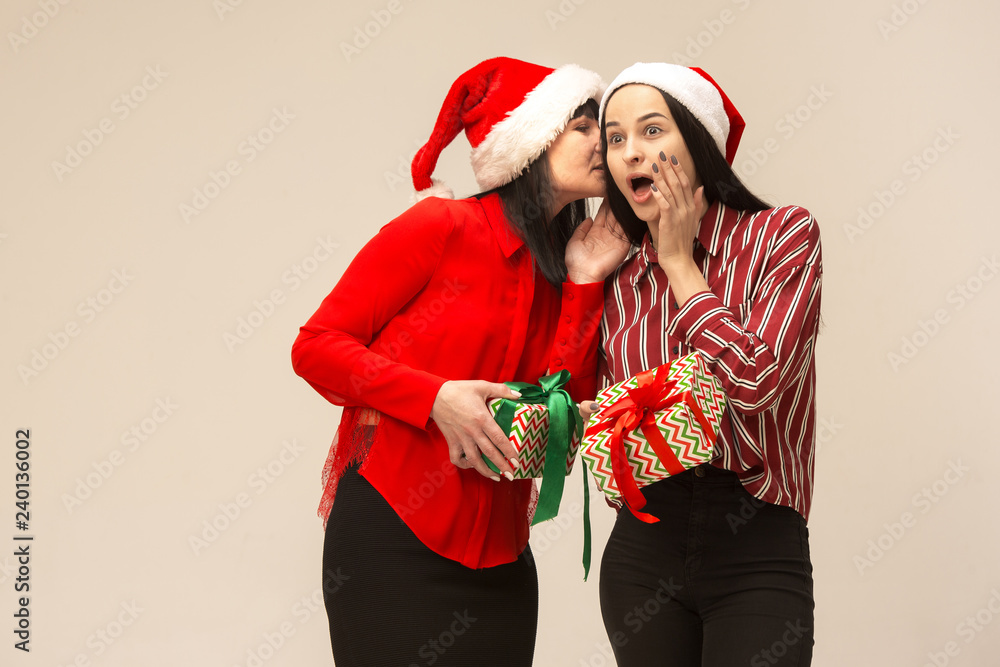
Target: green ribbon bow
{"x":564,"y":419}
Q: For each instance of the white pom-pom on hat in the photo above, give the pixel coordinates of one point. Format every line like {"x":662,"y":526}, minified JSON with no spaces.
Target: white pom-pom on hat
{"x":437,"y":189}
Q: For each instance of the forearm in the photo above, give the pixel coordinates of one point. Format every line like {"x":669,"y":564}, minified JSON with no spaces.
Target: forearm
{"x":685,"y":278}
{"x":753,"y":360}
{"x":345,"y":372}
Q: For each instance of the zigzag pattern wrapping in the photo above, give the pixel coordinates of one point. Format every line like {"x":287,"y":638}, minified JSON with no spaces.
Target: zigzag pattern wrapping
{"x":528,"y":433}
{"x":679,"y":426}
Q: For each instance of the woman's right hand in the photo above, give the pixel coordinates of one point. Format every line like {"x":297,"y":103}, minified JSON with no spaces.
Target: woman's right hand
{"x":461,"y":414}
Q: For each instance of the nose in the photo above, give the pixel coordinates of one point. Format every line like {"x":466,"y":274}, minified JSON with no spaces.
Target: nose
{"x":632,"y":154}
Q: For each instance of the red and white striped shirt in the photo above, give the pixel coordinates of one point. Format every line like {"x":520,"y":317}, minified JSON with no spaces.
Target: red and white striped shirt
{"x":756,"y":328}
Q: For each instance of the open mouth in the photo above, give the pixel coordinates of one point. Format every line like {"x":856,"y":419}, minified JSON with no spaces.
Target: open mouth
{"x":640,"y":187}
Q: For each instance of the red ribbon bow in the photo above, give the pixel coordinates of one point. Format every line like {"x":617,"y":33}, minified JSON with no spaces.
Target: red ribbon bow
{"x":638,"y":409}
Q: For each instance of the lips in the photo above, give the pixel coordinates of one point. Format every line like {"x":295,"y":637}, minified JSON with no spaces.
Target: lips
{"x":640,"y":184}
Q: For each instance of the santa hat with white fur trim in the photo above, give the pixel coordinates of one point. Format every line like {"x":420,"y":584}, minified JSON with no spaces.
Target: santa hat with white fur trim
{"x":511,"y":112}
{"x":697,"y":91}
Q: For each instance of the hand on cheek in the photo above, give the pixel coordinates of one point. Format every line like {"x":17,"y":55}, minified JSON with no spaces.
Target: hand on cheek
{"x":680,"y":210}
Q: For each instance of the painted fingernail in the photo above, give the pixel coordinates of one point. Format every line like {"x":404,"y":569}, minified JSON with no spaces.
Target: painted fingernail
{"x":594,"y":406}
{"x":663,"y":156}
{"x":673,"y":158}
{"x":513,"y":463}
{"x":509,"y":476}
{"x":656,"y":169}
{"x":517,"y":394}
{"x":653,"y":188}
{"x":494,"y":478}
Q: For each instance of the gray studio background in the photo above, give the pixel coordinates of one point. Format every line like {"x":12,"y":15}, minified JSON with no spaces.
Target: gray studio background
{"x":183,"y":182}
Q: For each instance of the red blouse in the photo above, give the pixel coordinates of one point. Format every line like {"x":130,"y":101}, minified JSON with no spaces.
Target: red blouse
{"x":446,"y":291}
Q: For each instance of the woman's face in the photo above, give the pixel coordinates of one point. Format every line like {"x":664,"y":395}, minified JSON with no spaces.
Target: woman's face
{"x":575,"y":165}
{"x":639,"y":126}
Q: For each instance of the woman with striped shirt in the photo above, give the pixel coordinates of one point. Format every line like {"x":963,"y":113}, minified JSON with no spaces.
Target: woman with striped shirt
{"x":724,"y":577}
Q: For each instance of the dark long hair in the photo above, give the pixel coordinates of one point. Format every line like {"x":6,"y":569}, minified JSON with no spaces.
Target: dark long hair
{"x":527,"y":200}
{"x":720,"y":181}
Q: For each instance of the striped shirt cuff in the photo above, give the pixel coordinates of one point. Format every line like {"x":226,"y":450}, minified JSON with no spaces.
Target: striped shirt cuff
{"x":702,"y":312}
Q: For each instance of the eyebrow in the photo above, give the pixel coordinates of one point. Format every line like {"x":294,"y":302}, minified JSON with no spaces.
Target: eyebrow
{"x":641,"y":119}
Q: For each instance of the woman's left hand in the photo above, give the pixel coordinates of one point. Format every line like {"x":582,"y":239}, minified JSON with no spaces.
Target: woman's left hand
{"x":681,"y":210}
{"x":597,"y":247}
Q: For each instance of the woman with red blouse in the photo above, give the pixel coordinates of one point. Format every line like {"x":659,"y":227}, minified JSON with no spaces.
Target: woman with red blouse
{"x":724,"y":577}
{"x":426,"y":558}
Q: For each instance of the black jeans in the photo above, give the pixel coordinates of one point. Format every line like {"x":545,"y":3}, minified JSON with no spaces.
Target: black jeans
{"x":723,"y":579}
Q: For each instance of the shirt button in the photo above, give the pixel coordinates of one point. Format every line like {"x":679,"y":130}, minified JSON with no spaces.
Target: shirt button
{"x":675,"y":349}
{"x":700,"y":471}
{"x":557,"y":363}
{"x":562,"y":341}
{"x":675,"y":305}
{"x":569,"y":296}
{"x":568,"y":319}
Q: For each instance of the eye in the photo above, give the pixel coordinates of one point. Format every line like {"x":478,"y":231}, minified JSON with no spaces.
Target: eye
{"x":614,"y":139}
{"x":652,"y":130}
{"x":583,"y":127}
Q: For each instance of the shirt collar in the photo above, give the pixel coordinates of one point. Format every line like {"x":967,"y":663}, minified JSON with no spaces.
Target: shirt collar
{"x":506,"y":237}
{"x":644,"y":258}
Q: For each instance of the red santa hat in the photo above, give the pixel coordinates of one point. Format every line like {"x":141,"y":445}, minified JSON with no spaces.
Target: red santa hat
{"x":697,"y":91}
{"x":511,"y":112}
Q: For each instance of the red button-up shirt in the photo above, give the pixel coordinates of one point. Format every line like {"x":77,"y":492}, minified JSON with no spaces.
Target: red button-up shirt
{"x":756,"y":328}
{"x":446,"y":291}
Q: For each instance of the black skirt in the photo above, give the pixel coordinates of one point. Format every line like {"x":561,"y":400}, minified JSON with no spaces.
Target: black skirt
{"x":392,"y":601}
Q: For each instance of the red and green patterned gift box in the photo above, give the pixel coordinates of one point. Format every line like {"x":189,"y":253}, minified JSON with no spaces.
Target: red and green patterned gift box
{"x":545,"y":427}
{"x":529,"y":433}
{"x":656,"y":424}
